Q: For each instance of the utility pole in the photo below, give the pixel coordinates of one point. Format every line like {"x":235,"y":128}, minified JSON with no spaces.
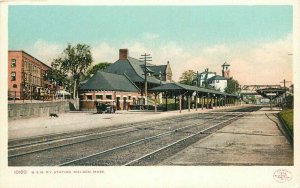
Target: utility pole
{"x":159,"y":77}
{"x":145,"y":58}
{"x":284,"y":82}
{"x":197,"y":79}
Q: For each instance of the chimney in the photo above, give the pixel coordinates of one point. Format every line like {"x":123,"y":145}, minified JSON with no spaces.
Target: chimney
{"x":123,"y":53}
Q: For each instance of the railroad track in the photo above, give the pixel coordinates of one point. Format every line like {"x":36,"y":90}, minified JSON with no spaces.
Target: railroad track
{"x":33,"y":157}
{"x":146,"y":132}
{"x":55,"y":137}
{"x":167,"y":139}
{"x":52,"y":138}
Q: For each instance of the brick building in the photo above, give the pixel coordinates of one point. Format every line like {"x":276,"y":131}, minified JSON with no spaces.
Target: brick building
{"x":26,"y":77}
{"x":122,"y":83}
{"x":108,"y":88}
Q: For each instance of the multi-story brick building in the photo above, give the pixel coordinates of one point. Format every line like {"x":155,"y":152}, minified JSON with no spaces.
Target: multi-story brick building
{"x":26,"y":76}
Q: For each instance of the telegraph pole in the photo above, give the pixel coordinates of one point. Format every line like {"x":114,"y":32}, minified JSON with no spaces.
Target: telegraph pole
{"x":284,"y":82}
{"x":145,"y":58}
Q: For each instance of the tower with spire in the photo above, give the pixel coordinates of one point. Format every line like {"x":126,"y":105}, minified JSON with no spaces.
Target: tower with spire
{"x":226,"y":70}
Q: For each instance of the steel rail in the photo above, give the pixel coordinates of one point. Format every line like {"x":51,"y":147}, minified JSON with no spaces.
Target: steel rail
{"x":36,"y":143}
{"x":181,"y":140}
{"x":79,"y":142}
{"x":135,"y":142}
{"x":50,"y":141}
{"x":64,"y":145}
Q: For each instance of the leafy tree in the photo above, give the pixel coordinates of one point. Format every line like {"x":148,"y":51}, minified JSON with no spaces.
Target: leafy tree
{"x":99,"y":66}
{"x":290,"y":101}
{"x":187,"y":77}
{"x":55,"y":75}
{"x":74,"y":62}
{"x":232,"y":86}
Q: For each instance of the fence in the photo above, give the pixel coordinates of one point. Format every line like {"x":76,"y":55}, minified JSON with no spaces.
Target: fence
{"x":19,"y":97}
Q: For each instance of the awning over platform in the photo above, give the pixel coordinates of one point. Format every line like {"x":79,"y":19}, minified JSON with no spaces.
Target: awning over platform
{"x":182,"y":88}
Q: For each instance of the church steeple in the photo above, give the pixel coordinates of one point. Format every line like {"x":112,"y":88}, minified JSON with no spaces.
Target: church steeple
{"x":226,"y":70}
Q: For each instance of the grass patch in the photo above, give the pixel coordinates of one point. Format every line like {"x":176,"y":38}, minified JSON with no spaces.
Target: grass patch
{"x":287,"y":116}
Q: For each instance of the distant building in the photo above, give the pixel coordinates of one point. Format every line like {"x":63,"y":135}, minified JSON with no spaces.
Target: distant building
{"x":218,"y":82}
{"x":211,"y":79}
{"x":226,"y":70}
{"x":26,"y":76}
{"x":202,"y":78}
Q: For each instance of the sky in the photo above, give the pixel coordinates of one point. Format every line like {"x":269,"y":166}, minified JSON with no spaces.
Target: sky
{"x":255,"y":40}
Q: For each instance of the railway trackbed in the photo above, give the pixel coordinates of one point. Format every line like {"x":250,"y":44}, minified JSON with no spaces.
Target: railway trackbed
{"x":145,"y":138}
{"x":143,"y":143}
{"x":150,"y":146}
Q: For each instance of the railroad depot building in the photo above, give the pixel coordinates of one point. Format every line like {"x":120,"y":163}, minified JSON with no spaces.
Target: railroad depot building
{"x":108,"y":88}
{"x":122,"y":83}
{"x":26,"y":76}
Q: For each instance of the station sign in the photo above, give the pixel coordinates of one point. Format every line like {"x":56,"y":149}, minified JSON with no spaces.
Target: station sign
{"x":271,"y":94}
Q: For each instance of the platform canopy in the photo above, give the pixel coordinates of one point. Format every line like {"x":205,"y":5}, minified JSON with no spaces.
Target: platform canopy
{"x":178,"y":88}
{"x":271,"y":93}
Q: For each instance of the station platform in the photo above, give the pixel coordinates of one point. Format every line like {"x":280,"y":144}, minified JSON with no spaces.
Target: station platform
{"x":255,"y":139}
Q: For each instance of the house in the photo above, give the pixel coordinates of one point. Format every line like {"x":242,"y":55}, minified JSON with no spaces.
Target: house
{"x":211,"y":79}
{"x":114,"y":89}
{"x":202,"y":78}
{"x":26,"y":77}
{"x":218,"y":82}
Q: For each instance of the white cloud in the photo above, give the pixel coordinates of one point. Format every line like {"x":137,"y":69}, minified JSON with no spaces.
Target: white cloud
{"x":45,"y":51}
{"x":251,"y":63}
{"x":136,"y":49}
{"x":104,"y":53}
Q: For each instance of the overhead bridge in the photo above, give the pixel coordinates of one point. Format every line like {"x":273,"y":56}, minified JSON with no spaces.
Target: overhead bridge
{"x":267,"y":91}
{"x":252,"y":89}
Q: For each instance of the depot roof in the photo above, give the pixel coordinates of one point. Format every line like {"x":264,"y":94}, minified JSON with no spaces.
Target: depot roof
{"x":134,"y":69}
{"x":103,"y":81}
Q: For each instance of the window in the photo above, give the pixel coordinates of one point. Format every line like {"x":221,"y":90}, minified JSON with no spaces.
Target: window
{"x":13,"y":76}
{"x":89,"y":97}
{"x":217,"y":81}
{"x":129,"y":97}
{"x":13,"y":63}
{"x":15,"y":86}
{"x":109,"y":97}
{"x":99,"y":97}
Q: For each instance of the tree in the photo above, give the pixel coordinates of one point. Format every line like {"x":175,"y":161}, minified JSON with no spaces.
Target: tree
{"x":187,"y":77}
{"x":99,"y":66}
{"x":55,"y":75}
{"x":74,"y":62}
{"x":232,"y":86}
